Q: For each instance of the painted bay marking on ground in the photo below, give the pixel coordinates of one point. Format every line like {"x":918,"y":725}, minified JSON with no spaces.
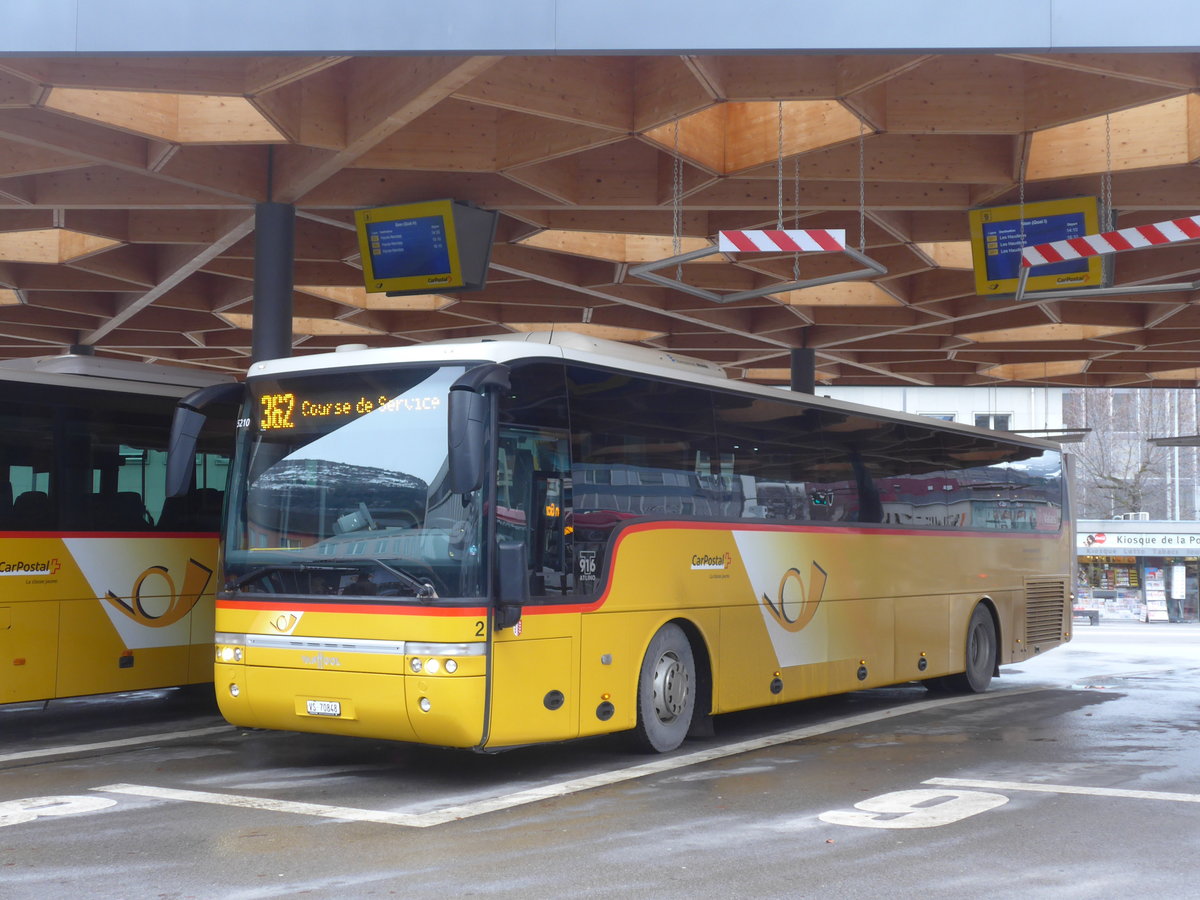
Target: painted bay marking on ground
{"x":112,"y":745}
{"x":559,"y":789}
{"x":288,"y":806}
{"x":1064,"y":789}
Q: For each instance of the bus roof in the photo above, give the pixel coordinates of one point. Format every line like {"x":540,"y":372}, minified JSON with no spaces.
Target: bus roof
{"x":571,"y":346}
{"x":97,"y":372}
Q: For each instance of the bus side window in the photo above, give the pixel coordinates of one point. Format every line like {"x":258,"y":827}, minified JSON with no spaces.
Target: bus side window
{"x":641,"y":449}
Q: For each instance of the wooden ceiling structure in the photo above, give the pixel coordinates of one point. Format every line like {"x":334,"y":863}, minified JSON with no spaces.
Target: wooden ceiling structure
{"x":128,"y":187}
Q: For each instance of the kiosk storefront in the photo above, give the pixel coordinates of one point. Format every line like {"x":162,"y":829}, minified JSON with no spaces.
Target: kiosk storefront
{"x":1140,"y":570}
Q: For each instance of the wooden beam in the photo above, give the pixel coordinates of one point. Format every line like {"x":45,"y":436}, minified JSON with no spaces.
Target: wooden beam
{"x":453,"y":136}
{"x":666,"y":88}
{"x":176,"y":271}
{"x":383,"y":94}
{"x":586,"y":90}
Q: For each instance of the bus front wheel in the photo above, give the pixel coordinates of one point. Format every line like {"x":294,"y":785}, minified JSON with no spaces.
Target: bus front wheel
{"x":666,"y":695}
{"x":980,"y":655}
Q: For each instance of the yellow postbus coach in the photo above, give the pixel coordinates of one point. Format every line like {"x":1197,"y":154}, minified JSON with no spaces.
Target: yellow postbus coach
{"x":541,"y":537}
{"x":105,"y":584}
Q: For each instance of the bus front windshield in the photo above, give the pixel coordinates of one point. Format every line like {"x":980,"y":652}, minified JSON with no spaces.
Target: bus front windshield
{"x":340,"y":489}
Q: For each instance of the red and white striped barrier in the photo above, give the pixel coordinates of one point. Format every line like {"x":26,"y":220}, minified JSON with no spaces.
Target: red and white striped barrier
{"x":1169,"y":232}
{"x":791,"y":241}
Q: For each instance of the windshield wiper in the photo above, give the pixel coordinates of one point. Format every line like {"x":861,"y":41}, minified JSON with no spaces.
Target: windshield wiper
{"x":424,"y":590}
{"x":258,"y":573}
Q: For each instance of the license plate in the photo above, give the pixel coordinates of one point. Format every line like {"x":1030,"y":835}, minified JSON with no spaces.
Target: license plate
{"x":324,"y":708}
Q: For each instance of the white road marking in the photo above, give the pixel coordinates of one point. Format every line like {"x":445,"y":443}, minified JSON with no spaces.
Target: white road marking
{"x":559,"y":789}
{"x":288,"y":806}
{"x":914,"y":809}
{"x":1065,"y":789}
{"x":72,"y":750}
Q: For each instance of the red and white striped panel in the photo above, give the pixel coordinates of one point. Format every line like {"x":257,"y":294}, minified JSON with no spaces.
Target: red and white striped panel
{"x":792,"y":241}
{"x":1169,"y":232}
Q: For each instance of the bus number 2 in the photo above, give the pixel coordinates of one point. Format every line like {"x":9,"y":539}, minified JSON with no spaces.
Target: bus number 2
{"x":480,"y":630}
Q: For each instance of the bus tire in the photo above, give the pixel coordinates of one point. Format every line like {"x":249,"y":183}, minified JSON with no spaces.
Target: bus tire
{"x":980,"y":655}
{"x":666,"y":696}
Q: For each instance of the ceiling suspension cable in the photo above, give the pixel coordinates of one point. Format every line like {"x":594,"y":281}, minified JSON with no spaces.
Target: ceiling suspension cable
{"x":796,"y":212}
{"x":779,"y":167}
{"x":862,"y":186}
{"x":1107,"y":217}
{"x":780,"y":240}
{"x":677,"y":204}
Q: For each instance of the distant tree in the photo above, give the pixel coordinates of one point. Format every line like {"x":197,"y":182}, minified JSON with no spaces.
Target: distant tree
{"x":1117,"y":470}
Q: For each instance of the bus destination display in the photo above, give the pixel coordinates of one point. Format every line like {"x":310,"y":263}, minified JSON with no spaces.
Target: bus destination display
{"x":285,"y":411}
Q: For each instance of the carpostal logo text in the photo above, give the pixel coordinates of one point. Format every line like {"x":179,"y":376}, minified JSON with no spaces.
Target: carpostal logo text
{"x":23,"y":567}
{"x":704,"y":561}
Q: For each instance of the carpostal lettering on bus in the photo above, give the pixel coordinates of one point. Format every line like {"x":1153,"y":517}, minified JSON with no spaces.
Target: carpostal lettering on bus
{"x":21,"y":567}
{"x":720,"y":561}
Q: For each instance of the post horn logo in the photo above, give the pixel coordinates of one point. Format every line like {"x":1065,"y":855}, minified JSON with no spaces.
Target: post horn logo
{"x":796,"y":604}
{"x":147,"y":609}
{"x":285,"y":623}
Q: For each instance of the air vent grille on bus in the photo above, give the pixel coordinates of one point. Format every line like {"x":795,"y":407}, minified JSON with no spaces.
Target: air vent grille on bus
{"x":1045,"y":606}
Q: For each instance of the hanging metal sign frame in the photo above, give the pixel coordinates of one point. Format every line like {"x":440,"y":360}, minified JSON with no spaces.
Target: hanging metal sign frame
{"x":1138,"y":237}
{"x":805,"y":240}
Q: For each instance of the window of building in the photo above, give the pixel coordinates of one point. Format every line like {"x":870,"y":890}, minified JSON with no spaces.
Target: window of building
{"x":994,"y":421}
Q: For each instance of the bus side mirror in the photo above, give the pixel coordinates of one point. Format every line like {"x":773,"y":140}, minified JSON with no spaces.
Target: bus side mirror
{"x":185,"y":432}
{"x":467,"y":413}
{"x":512,"y":564}
{"x":181,"y":451}
{"x":467,"y":406}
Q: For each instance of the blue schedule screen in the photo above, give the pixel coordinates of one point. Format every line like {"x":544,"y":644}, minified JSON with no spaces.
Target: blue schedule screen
{"x":407,"y":247}
{"x":1002,"y":244}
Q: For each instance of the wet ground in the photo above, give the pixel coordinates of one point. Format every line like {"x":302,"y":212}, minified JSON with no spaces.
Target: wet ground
{"x":1075,"y":777}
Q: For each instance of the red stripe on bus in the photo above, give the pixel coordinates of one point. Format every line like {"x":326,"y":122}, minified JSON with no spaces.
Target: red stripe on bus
{"x":140,"y":535}
{"x":379,"y":609}
{"x":540,"y":609}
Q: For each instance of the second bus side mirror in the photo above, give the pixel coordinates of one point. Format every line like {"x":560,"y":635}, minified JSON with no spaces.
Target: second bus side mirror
{"x":512,"y":564}
{"x":467,"y":412}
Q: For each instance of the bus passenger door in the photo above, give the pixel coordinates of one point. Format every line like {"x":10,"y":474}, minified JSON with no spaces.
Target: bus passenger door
{"x":534,"y":667}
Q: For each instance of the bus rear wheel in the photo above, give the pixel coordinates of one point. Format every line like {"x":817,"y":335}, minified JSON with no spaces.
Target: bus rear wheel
{"x":666,"y":697}
{"x":980,"y":655}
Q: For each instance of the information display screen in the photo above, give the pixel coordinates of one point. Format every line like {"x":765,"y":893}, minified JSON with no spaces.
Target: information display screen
{"x":999,"y":234}
{"x":409,"y":247}
{"x":423,"y":248}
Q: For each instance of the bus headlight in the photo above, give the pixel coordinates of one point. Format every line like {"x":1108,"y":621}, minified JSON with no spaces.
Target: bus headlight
{"x":432,"y":667}
{"x":234,"y":690}
{"x":415,"y":665}
{"x":425,"y":704}
{"x":229,"y":654}
{"x":451,"y":666}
